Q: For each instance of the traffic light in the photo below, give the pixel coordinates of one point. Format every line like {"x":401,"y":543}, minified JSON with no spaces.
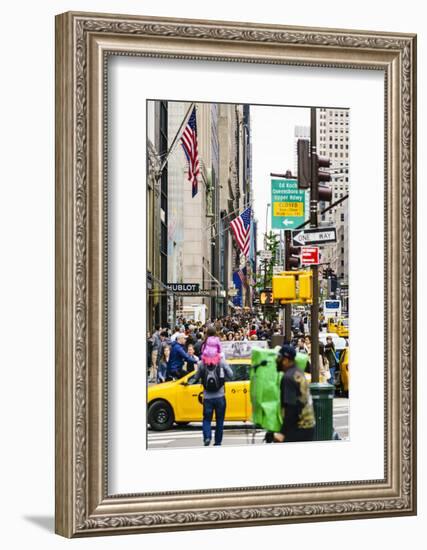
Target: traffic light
{"x":323,"y":176}
{"x":326,"y":273}
{"x":292,"y":259}
{"x":332,"y":284}
{"x":305,"y":174}
{"x":304,"y":171}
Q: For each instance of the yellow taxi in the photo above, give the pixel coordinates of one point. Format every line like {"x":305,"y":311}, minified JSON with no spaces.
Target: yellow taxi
{"x":342,"y":328}
{"x":344,"y":371}
{"x":181,"y":401}
{"x":332,"y":325}
{"x":339,"y":327}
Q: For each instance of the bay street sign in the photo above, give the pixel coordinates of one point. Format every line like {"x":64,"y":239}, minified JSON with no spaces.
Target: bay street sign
{"x":287,"y":204}
{"x":310,"y":255}
{"x":317,"y":235}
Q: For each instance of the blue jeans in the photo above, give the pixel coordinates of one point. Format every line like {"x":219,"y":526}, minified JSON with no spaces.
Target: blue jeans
{"x":216,"y":404}
{"x":332,"y":378}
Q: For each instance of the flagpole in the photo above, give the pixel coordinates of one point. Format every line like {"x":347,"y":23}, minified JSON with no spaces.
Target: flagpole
{"x":178,"y":134}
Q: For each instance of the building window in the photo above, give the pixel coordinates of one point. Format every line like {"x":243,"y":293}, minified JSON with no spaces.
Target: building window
{"x":342,"y":217}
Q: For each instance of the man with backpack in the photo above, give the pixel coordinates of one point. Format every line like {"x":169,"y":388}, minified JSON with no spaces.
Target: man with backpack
{"x":213,"y":371}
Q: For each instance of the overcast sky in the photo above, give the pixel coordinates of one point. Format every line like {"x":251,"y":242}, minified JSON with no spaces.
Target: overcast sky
{"x":273,"y":146}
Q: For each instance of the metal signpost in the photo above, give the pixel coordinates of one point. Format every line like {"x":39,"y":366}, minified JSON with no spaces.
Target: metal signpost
{"x":287,"y":204}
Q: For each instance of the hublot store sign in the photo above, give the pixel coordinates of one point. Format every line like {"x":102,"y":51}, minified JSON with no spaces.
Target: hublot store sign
{"x":183,"y":287}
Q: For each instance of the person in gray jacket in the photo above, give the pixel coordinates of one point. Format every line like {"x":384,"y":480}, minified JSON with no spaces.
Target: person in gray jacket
{"x":213,"y":371}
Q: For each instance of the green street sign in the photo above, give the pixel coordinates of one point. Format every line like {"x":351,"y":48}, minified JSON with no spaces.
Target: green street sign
{"x":287,"y":204}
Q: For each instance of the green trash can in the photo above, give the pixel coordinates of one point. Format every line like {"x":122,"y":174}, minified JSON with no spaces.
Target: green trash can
{"x":323,"y":399}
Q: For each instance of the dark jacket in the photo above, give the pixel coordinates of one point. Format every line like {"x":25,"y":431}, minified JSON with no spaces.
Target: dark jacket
{"x":330,"y":355}
{"x":297,"y":405}
{"x":177,"y":357}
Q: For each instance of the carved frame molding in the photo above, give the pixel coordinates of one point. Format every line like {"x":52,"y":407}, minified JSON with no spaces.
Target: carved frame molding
{"x":83,"y":44}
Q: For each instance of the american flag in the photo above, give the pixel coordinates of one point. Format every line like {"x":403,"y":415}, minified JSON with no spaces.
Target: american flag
{"x":241,"y":229}
{"x":242,"y":275}
{"x":189,"y":144}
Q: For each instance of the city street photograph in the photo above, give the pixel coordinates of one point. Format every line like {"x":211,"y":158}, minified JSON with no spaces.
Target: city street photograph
{"x":247,"y":251}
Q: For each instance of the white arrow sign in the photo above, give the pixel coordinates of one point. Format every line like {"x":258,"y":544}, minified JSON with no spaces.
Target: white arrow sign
{"x":288,"y":222}
{"x":299,"y":238}
{"x":314,"y":236}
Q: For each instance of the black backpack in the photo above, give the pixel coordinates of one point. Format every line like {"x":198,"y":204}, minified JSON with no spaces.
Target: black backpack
{"x":213,"y":378}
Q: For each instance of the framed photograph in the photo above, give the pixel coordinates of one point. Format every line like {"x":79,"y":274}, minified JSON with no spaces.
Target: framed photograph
{"x":235,"y":274}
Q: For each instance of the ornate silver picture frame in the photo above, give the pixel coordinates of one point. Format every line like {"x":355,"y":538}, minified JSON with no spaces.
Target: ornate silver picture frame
{"x":84,"y":42}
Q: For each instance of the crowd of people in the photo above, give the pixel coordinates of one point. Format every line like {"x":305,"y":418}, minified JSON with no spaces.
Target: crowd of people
{"x":173,"y":353}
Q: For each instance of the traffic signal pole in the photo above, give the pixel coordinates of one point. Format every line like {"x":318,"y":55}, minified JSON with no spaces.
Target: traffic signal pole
{"x":314,"y":202}
{"x":288,"y":308}
{"x":309,"y":177}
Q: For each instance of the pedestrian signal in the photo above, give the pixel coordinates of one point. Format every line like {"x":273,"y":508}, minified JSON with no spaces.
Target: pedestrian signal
{"x":306,"y":286}
{"x":266,"y":297}
{"x":284,"y":286}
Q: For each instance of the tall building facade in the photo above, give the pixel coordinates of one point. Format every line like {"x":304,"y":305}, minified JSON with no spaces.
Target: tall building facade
{"x":190,"y":239}
{"x":333,"y":139}
{"x":157,"y":212}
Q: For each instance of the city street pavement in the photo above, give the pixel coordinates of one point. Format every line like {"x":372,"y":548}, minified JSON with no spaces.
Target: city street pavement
{"x":341,"y":414}
{"x":235,"y":433}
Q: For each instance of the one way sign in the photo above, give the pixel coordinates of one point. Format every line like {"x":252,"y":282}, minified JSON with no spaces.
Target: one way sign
{"x":316,"y":235}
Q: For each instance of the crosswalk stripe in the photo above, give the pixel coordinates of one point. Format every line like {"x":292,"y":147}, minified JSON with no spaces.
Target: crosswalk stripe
{"x":197,"y":436}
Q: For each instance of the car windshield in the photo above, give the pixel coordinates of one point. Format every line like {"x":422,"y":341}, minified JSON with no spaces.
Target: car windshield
{"x":240,"y":372}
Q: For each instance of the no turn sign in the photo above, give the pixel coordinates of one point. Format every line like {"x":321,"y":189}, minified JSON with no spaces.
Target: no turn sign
{"x":310,"y":255}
